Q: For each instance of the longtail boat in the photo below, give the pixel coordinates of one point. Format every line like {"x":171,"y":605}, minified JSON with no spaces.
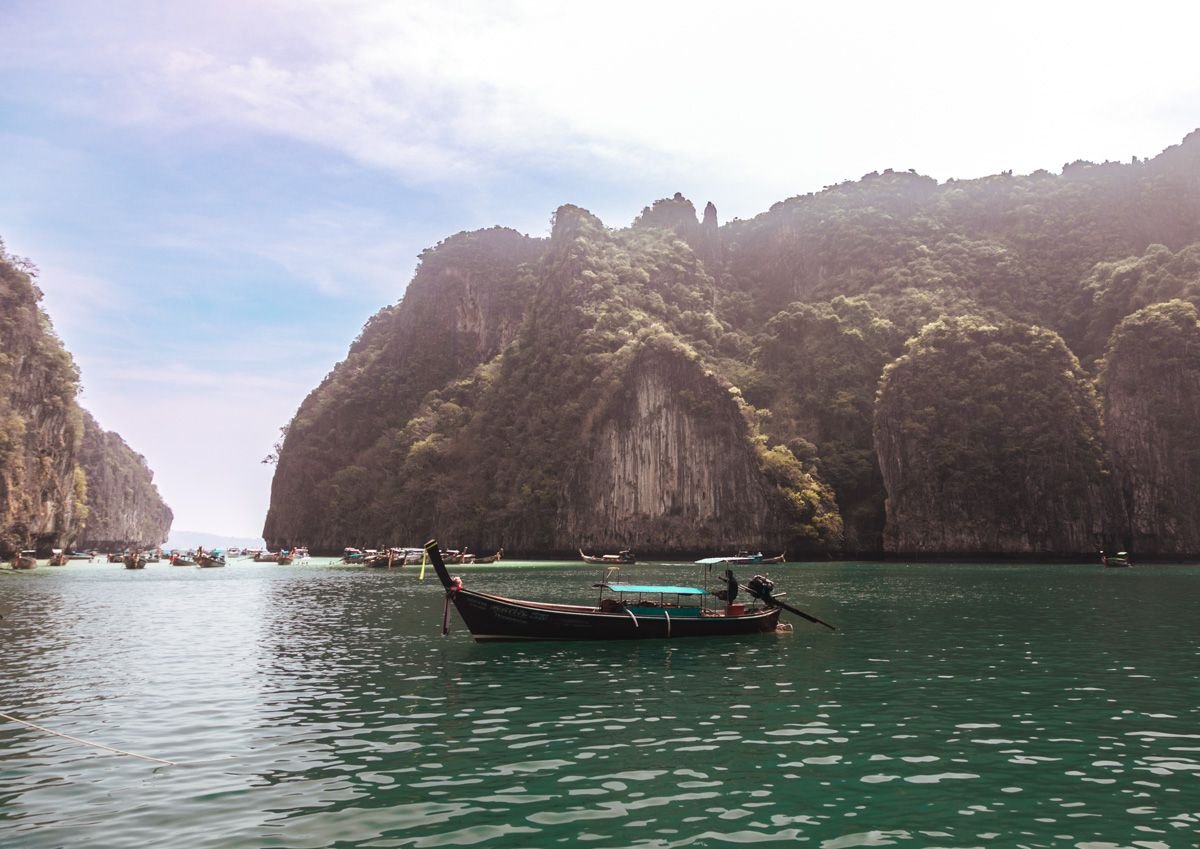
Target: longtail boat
{"x":624,"y":556}
{"x":742,"y":558}
{"x":1120,"y":560}
{"x":623,"y":611}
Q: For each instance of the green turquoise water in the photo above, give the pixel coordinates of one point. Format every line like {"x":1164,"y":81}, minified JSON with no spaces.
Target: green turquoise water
{"x":319,"y":706}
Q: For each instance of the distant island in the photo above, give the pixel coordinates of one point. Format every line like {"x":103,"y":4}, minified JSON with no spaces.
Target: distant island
{"x":191,"y":540}
{"x":1006,"y":366}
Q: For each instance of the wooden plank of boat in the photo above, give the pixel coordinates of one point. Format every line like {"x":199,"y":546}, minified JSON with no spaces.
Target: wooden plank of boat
{"x":631,"y":615}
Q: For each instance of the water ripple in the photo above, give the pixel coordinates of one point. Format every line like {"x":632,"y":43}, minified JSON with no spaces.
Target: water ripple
{"x":319,"y":706}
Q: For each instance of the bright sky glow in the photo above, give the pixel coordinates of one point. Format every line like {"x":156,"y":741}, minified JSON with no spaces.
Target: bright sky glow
{"x":219,"y":194}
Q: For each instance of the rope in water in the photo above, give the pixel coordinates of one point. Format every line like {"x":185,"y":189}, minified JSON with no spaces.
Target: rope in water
{"x":87,"y":742}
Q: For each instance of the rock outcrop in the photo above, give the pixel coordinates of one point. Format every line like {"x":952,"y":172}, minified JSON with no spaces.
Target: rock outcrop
{"x":672,"y":468}
{"x":125,"y":508}
{"x":1152,"y":416}
{"x":462,"y":309}
{"x":58,"y":470}
{"x":516,"y":444}
{"x":539,"y":394}
{"x":41,"y":490}
{"x":989,"y":443}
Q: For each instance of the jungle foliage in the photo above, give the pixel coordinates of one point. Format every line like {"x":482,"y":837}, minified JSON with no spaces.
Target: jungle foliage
{"x":995,"y":429}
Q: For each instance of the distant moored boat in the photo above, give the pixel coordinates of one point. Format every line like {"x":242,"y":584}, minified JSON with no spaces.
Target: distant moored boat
{"x":624,"y":556}
{"x":1120,"y":560}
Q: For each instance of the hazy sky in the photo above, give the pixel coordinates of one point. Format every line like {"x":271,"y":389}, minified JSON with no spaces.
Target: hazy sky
{"x":220,"y":193}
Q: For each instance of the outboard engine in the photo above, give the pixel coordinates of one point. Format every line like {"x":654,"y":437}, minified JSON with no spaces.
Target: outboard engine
{"x":760,"y":587}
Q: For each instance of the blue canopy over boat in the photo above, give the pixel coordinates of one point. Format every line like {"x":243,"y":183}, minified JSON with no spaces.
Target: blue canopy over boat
{"x":641,"y":588}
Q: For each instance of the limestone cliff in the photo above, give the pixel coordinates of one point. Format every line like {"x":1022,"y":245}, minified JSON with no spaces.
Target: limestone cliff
{"x":58,"y":470}
{"x":585,"y":389}
{"x":1152,"y":410}
{"x":462,"y":308}
{"x":1016,"y":468}
{"x":678,"y":215}
{"x":590,"y":419}
{"x":125,"y":508}
{"x":671,"y":468}
{"x":41,"y":490}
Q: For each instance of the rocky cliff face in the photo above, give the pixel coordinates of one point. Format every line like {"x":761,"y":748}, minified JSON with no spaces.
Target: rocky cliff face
{"x":41,"y":493}
{"x":1152,"y":411}
{"x":541,"y":394}
{"x":672,"y":469}
{"x":1017,"y":469}
{"x":462,"y":308}
{"x":125,"y":508}
{"x":586,"y":419}
{"x":58,"y":470}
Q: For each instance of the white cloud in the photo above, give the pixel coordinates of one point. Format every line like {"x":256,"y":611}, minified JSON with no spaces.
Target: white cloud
{"x":762,"y":99}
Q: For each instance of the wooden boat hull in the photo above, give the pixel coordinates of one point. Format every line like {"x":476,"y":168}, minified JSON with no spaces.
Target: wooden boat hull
{"x":490,"y":617}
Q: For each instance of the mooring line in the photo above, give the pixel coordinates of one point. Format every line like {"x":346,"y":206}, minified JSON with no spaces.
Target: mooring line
{"x":87,"y":742}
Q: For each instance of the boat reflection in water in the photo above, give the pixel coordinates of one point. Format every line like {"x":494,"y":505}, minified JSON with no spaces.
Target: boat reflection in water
{"x":622,"y":612}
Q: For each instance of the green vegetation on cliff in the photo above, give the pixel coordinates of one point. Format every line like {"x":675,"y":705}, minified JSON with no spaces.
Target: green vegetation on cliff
{"x":40,"y":423}
{"x":541,"y":393}
{"x":490,"y":458}
{"x":126,"y":508}
{"x":989,"y":440}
